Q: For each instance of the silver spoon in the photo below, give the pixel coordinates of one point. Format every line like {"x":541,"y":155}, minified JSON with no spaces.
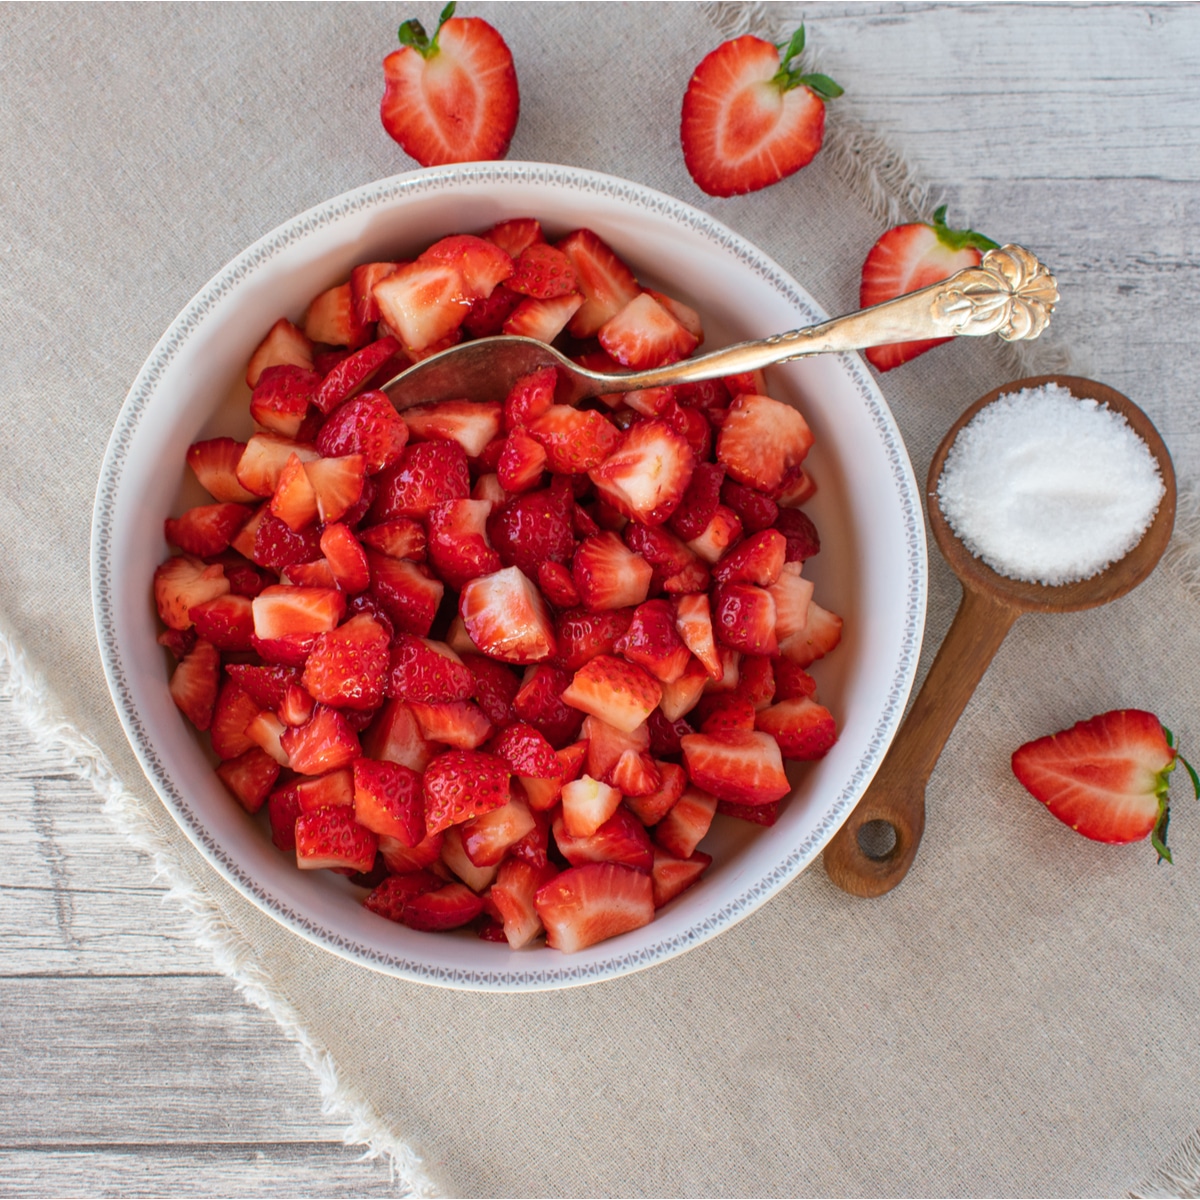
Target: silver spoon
{"x":1010,"y":293}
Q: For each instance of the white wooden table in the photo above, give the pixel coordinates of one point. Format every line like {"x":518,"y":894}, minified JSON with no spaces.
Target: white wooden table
{"x":128,"y":1065}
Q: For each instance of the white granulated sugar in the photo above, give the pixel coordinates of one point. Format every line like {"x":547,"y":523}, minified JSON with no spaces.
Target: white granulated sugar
{"x":1048,"y":488}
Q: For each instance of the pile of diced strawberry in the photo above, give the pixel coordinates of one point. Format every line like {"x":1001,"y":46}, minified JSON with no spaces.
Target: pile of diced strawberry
{"x":501,"y":664}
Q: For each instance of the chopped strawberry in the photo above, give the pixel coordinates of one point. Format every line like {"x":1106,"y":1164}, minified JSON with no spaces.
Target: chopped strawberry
{"x":407,"y":591}
{"x":581,"y":635}
{"x":804,"y":729}
{"x":423,"y":303}
{"x":194,"y":683}
{"x":534,"y":528}
{"x":401,"y":859}
{"x":368,"y":425}
{"x":527,"y":752}
{"x":745,"y":768}
{"x":801,"y":534}
{"x":680,"y":697}
{"x":606,"y":743}
{"x":750,"y":117}
{"x":427,"y":671}
{"x":607,"y":283}
{"x":265,"y":732}
{"x":494,"y":687}
{"x":665,"y":734}
{"x":458,"y":723}
{"x":756,"y":814}
{"x":214,"y":463}
{"x":529,"y":397}
{"x":362,"y":279}
{"x":643,"y":334}
{"x":283,"y":344}
{"x":486,"y":316}
{"x":401,"y":537}
{"x":646,"y":476}
{"x":389,"y":897}
{"x":700,"y":501}
{"x":331,"y":837}
{"x":522,"y":462}
{"x":294,"y":502}
{"x":792,"y":594}
{"x":744,"y":618}
{"x":353,"y":372}
{"x":670,"y":557}
{"x":793,"y":682}
{"x":608,"y":575}
{"x":264,"y":459}
{"x":514,"y":894}
{"x":278,"y":547}
{"x":265,"y":685}
{"x":591,"y":903}
{"x":760,"y":440}
{"x":758,"y":559}
{"x":322,"y":744}
{"x":653,"y":806}
{"x":461,"y":784}
{"x":723,"y":531}
{"x":543,"y":320}
{"x":506,"y":617}
{"x":450,"y":907}
{"x":539,"y":701}
{"x":458,"y":545}
{"x":281,"y":398}
{"x":756,"y":510}
{"x":907,"y":258}
{"x":346,"y":557}
{"x":672,"y":876}
{"x":798,"y":487}
{"x":283,"y":807}
{"x":1107,"y":777}
{"x":693,"y":621}
{"x":225,"y":621}
{"x":395,"y":736}
{"x":653,"y":642}
{"x":348,"y":665}
{"x":234,"y":710}
{"x":586,"y":805}
{"x":389,"y":799}
{"x":618,"y":692}
{"x":250,"y":777}
{"x":469,"y":423}
{"x":684,"y":827}
{"x":280,"y":611}
{"x":425,"y":474}
{"x":297,"y":705}
{"x":481,"y":263}
{"x":557,"y":585}
{"x":290,"y":651}
{"x":756,"y":680}
{"x":487,"y":838}
{"x":821,"y":633}
{"x":207,"y":529}
{"x":543,"y":272}
{"x":635,"y":774}
{"x":338,"y":483}
{"x":332,"y":790}
{"x":331,"y":319}
{"x":516,"y":234}
{"x":575,"y":440}
{"x":724,"y":712}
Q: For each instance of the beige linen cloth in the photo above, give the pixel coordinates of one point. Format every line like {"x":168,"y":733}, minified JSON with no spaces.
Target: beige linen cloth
{"x":1018,"y":1017}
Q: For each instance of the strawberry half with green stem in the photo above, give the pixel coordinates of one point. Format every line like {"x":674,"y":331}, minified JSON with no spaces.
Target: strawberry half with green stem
{"x":453,"y":97}
{"x":750,"y":117}
{"x":910,"y":257}
{"x":1106,"y":778}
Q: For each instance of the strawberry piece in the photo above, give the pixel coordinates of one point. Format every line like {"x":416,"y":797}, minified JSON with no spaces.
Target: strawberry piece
{"x":644,"y":334}
{"x":393,"y":893}
{"x":331,"y":320}
{"x":214,"y":462}
{"x":801,"y":535}
{"x":362,"y":279}
{"x":250,"y":777}
{"x":670,"y":558}
{"x":756,"y":814}
{"x":469,"y":423}
{"x":529,"y":397}
{"x":395,"y":736}
{"x":207,"y":529}
{"x":1106,"y":777}
{"x":621,"y":839}
{"x":423,"y":303}
{"x":680,"y":697}
{"x":458,"y":547}
{"x":506,"y":618}
{"x":527,"y":752}
{"x":453,"y":97}
{"x":346,"y":557}
{"x":635,"y":774}
{"x":708,"y":395}
{"x":278,"y":547}
{"x":427,"y":671}
{"x":684,"y":827}
{"x":406,"y":591}
{"x":653,"y":642}
{"x":792,"y":594}
{"x":665,"y":734}
{"x":264,"y":459}
{"x":759,"y":559}
{"x":401,"y":537}
{"x":804,"y":729}
{"x":744,"y":618}
{"x":607,"y":283}
{"x":481,"y":263}
{"x":516,"y":235}
{"x":543,"y":320}
{"x":616,"y":691}
{"x":586,"y":804}
{"x":651,"y":402}
{"x":760,"y":440}
{"x":745,"y":768}
{"x":281,"y":398}
{"x":730,"y":671}
{"x":821,"y":633}
{"x":798,"y":487}
{"x":194,"y":683}
{"x":514,"y":895}
{"x":606,"y":743}
{"x":458,"y":723}
{"x":543,"y":272}
{"x":297,"y":705}
{"x":337,"y":484}
{"x":283,"y":808}
{"x":290,"y":651}
{"x":461,"y":784}
{"x":909,"y":257}
{"x":281,"y":611}
{"x":486,"y":316}
{"x":389,"y":799}
{"x":557,"y":586}
{"x":265,"y":685}
{"x":539,"y":701}
{"x":700,"y":501}
{"x":322,"y":744}
{"x":672,"y":876}
{"x":353,"y":371}
{"x":608,"y":575}
{"x":400,"y":858}
{"x":591,"y":903}
{"x":756,"y":680}
{"x":283,"y":345}
{"x":265,"y":731}
{"x":533,"y":528}
{"x":234,"y":710}
{"x":294,"y":501}
{"x":348,"y":665}
{"x":450,"y":907}
{"x":750,"y":118}
{"x":331,"y":837}
{"x":755,"y":509}
{"x":368,"y":425}
{"x":244,"y":578}
{"x":575,"y":440}
{"x":225,"y":621}
{"x":311,"y":574}
{"x":336,"y":789}
{"x":793,"y":682}
{"x":693,"y":622}
{"x":723,"y":531}
{"x":494,"y":688}
{"x":724,"y":712}
{"x":486,"y":839}
{"x":425,"y":474}
{"x":646,"y":476}
{"x":653,"y":806}
{"x":456,"y":860}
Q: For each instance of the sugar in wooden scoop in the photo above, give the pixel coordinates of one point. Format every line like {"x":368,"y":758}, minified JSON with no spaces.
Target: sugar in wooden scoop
{"x":1048,"y":488}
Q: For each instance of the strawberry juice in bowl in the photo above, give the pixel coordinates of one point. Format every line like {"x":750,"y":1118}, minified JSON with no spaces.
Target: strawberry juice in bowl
{"x":871,"y":568}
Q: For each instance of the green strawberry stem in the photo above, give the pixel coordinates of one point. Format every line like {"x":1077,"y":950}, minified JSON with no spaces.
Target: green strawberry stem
{"x":788,"y":77}
{"x":1158,"y":835}
{"x":412,"y":33}
{"x":959,"y":239}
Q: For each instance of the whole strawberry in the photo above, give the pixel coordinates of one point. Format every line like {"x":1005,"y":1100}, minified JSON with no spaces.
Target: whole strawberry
{"x":909,"y":257}
{"x":1107,"y":778}
{"x":750,"y":118}
{"x":453,"y":97}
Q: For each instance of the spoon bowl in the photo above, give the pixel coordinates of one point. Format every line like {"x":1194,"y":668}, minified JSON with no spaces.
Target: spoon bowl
{"x":892,"y":810}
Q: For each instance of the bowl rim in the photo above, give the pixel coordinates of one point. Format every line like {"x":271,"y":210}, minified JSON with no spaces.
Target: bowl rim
{"x":390,"y":191}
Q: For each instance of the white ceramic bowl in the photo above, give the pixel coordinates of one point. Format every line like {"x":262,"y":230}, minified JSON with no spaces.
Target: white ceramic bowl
{"x":871,"y":568}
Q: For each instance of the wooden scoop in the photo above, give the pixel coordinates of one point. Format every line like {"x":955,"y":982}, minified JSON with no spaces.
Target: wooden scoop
{"x":990,"y":604}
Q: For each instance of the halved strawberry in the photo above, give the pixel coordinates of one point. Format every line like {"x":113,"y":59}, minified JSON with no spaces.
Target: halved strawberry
{"x":750,"y":117}
{"x":461,"y":784}
{"x":225,"y":621}
{"x":761,"y":439}
{"x":821,"y":633}
{"x":575,"y":440}
{"x":331,"y":837}
{"x":425,"y":474}
{"x":616,"y":691}
{"x":644,"y":334}
{"x":647,"y":474}
{"x":804,"y":729}
{"x":459,"y":550}
{"x":543,"y":320}
{"x":458,"y":723}
{"x":672,"y":876}
{"x":506,"y":617}
{"x":250,"y":777}
{"x":744,"y":618}
{"x":407,"y":592}
{"x":207,"y":529}
{"x":283,"y":344}
{"x":322,"y":744}
{"x":368,"y":425}
{"x":450,"y":907}
{"x":684,"y":827}
{"x":181,"y":583}
{"x":652,"y":641}
{"x":389,"y":799}
{"x":453,"y":97}
{"x":745,"y":768}
{"x":472,"y":424}
{"x":907,"y":258}
{"x":395,"y":736}
{"x":348,"y":665}
{"x":194,"y":683}
{"x":606,"y":282}
{"x":1107,"y":777}
{"x":588,"y":904}
{"x":609,"y":575}
{"x":214,"y":462}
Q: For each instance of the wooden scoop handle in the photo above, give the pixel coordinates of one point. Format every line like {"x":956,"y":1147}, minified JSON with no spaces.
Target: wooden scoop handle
{"x":897,"y":793}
